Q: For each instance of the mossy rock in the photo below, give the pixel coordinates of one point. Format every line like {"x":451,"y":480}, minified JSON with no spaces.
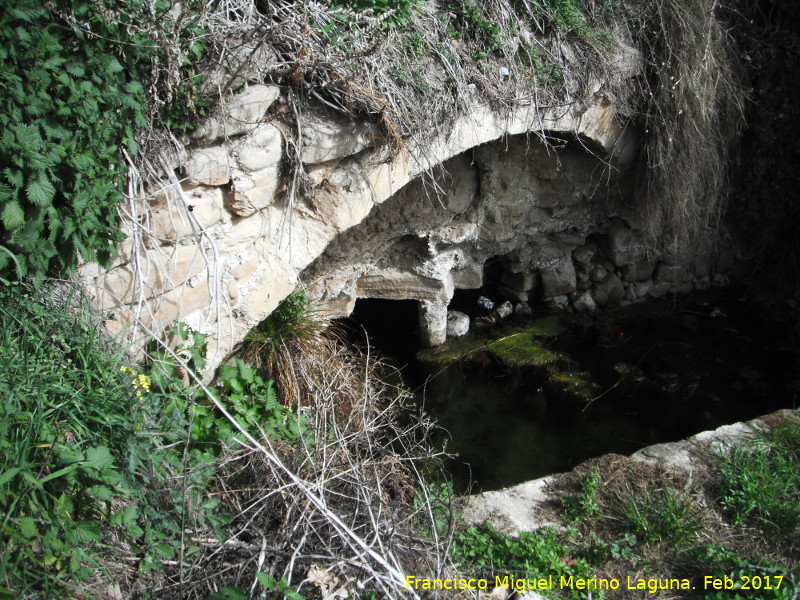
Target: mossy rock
{"x":521,"y":350}
{"x":455,"y":349}
{"x":516,"y":348}
{"x":549,"y":326}
{"x":577,"y":385}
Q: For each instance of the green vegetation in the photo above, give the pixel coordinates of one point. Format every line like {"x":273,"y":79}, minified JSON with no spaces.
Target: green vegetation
{"x":521,"y":349}
{"x":487,"y":553}
{"x":291,"y":322}
{"x":733,"y":520}
{"x":584,"y":504}
{"x":752,"y":490}
{"x":663,"y":514}
{"x":114,"y":474}
{"x":74,"y":75}
{"x":79,"y":431}
{"x":94,"y":452}
{"x":394,"y":13}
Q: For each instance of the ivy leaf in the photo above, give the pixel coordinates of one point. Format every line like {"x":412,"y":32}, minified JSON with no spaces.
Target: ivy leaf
{"x":13,"y":216}
{"x":41,"y":191}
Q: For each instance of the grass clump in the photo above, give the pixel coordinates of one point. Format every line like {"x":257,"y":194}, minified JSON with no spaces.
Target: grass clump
{"x":761,"y":481}
{"x":271,"y":347}
{"x":662,"y":514}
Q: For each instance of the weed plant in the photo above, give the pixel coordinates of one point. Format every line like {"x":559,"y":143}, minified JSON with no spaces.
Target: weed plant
{"x":487,"y":553}
{"x":584,"y":505}
{"x":90,"y":453}
{"x":95,"y":453}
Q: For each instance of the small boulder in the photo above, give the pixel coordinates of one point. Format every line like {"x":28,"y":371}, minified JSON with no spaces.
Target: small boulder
{"x":505,"y":310}
{"x":584,"y":303}
{"x":457,"y":324}
{"x":609,"y":291}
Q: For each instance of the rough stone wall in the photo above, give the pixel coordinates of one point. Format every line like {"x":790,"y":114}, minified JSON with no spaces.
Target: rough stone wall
{"x":561,"y":217}
{"x":224,"y":237}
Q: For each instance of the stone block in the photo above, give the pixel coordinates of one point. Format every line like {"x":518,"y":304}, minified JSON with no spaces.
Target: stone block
{"x":505,"y":310}
{"x":467,"y":278}
{"x":597,"y":273}
{"x":401,"y":285}
{"x":672,"y":273}
{"x":638,"y":270}
{"x":248,"y":195}
{"x":160,"y":271}
{"x":244,"y":271}
{"x":332,"y":138}
{"x":609,"y":291}
{"x":659,"y":289}
{"x":619,"y":237}
{"x":640,"y":289}
{"x":209,"y":166}
{"x":557,"y":303}
{"x":457,"y":324}
{"x":584,"y":254}
{"x":263,"y":149}
{"x":558,"y":279}
{"x":523,"y":309}
{"x":584,"y":302}
{"x":239,"y":114}
{"x":568,"y":237}
{"x":173,"y":222}
{"x":432,"y":323}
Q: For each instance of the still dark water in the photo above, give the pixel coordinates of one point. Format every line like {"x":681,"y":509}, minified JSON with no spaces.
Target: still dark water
{"x":623,"y":380}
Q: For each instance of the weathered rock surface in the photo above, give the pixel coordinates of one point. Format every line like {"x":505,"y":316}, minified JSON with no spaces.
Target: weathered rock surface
{"x":457,"y":324}
{"x":239,"y":114}
{"x":556,"y":220}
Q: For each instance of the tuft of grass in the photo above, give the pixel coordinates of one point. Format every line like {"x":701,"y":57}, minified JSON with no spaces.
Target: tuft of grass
{"x":292,"y":328}
{"x":761,"y":481}
{"x":663,"y":514}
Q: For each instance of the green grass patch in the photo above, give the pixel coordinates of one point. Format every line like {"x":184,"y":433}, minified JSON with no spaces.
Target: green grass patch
{"x":761,"y":480}
{"x":487,"y":553}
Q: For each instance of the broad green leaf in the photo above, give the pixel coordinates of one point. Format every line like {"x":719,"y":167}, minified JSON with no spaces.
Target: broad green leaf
{"x":100,"y":458}
{"x":41,"y":191}
{"x":28,"y":527}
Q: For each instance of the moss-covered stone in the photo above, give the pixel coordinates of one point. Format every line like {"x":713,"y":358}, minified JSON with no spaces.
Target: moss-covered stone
{"x":508,"y":343}
{"x":521,"y":350}
{"x":456,"y":349}
{"x":549,"y":326}
{"x":575,"y":385}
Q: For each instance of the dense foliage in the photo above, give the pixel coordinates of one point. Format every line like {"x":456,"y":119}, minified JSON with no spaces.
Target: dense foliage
{"x":73,"y":75}
{"x":71,"y":97}
{"x":95,"y":453}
